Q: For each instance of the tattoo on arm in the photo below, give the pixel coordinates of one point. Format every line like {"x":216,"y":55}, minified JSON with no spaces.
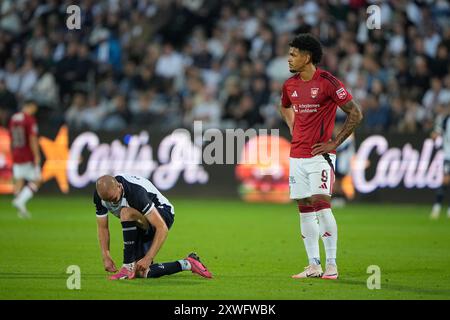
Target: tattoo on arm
{"x":354,"y":117}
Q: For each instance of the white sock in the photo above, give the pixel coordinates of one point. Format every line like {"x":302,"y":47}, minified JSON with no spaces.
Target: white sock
{"x":129,"y":266}
{"x":329,"y":233}
{"x":185,"y":264}
{"x":310,"y":235}
{"x":436,"y":207}
{"x":24,"y":195}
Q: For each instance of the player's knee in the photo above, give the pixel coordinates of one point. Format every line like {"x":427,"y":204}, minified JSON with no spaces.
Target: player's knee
{"x":37,"y":184}
{"x":304,"y":201}
{"x":305,"y":205}
{"x":320,"y":202}
{"x":33,"y":186}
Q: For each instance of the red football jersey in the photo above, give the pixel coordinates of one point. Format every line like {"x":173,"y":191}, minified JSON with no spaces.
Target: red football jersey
{"x":21,"y":127}
{"x":314,"y":103}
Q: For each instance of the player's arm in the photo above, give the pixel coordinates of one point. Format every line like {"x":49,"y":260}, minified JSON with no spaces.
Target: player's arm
{"x":103,"y":233}
{"x":34,"y":143}
{"x":354,"y":118}
{"x":161,"y":231}
{"x":103,"y":238}
{"x":285,"y":109}
{"x":140,"y":200}
{"x":287,"y":114}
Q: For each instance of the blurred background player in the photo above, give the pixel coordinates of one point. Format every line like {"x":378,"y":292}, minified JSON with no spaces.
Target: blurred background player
{"x":442,"y":129}
{"x":343,"y":189}
{"x":146,"y":217}
{"x":308,"y":105}
{"x":26,"y":156}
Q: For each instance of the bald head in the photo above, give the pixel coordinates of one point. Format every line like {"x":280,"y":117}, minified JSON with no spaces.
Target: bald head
{"x":108,"y":188}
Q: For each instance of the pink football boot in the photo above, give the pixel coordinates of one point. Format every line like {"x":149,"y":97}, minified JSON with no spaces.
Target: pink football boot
{"x":123,"y":273}
{"x":198,"y":267}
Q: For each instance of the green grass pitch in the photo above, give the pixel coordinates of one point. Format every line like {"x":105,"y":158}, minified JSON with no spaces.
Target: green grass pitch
{"x":251,"y":249}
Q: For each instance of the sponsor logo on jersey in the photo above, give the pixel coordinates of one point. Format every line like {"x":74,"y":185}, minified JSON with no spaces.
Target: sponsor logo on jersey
{"x":341,"y":93}
{"x":314,"y":92}
{"x":294,"y":94}
{"x":302,"y":108}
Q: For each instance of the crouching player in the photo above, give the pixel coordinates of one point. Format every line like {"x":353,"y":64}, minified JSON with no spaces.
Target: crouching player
{"x":146,"y":217}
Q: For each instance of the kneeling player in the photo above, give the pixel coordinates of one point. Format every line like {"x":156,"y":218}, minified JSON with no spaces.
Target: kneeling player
{"x":146,"y":217}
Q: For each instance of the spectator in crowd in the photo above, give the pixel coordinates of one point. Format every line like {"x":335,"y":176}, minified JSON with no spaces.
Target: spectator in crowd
{"x":8,"y":103}
{"x":119,"y":117}
{"x":141,"y":63}
{"x":77,"y":106}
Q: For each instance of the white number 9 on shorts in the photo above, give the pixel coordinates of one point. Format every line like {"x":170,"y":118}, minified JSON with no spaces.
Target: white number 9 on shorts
{"x":310,"y":176}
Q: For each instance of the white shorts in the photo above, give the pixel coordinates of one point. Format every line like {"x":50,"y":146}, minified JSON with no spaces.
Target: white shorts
{"x":27,"y":171}
{"x":310,"y":176}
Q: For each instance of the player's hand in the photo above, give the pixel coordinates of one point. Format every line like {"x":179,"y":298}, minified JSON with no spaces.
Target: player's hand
{"x":143,"y":264}
{"x":323,"y":147}
{"x":109,"y":265}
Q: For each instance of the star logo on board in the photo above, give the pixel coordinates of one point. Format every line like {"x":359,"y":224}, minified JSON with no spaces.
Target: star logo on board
{"x":56,"y":156}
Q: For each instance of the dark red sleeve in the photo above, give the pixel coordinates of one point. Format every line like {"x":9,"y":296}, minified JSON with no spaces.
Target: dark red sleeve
{"x":285,"y":101}
{"x":337,"y":91}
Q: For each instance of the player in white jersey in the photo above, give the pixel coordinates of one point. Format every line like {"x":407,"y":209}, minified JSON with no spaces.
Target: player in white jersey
{"x":442,"y":129}
{"x":146,"y":217}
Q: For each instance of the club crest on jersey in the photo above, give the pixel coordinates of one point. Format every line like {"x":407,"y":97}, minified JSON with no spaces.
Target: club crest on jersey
{"x":341,"y":93}
{"x":314,"y":92}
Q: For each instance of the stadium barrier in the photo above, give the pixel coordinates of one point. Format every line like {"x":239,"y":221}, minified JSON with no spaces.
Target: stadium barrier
{"x":385,"y":168}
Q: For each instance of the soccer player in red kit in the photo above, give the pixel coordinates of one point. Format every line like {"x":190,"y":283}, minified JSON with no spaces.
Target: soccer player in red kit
{"x":308,"y":105}
{"x":26,"y":156}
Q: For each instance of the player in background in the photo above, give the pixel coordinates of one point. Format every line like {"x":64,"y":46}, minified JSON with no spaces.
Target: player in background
{"x":343,"y":189}
{"x":308,"y":105}
{"x":146,"y":217}
{"x":23,"y":130}
{"x":442,"y":128}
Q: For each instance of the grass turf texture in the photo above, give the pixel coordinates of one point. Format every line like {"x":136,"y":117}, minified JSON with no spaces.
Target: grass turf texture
{"x":251,"y":249}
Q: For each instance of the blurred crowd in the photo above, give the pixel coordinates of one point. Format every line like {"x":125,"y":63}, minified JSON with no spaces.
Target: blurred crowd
{"x":166,"y":63}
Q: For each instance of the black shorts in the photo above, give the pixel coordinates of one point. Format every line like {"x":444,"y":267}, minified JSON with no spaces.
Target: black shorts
{"x":145,"y":237}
